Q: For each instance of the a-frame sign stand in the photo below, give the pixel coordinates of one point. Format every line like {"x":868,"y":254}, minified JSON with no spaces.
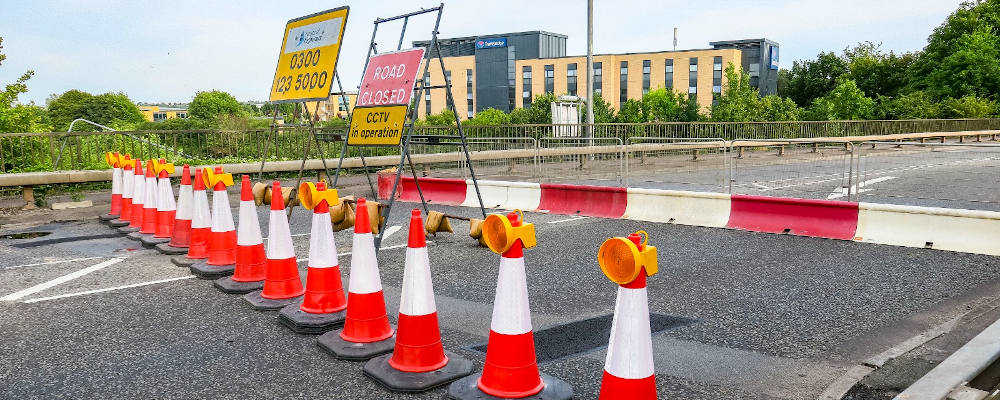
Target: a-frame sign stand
{"x":410,"y":116}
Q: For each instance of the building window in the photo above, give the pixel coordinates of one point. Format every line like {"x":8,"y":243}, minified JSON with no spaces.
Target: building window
{"x":550,"y":79}
{"x":623,"y":83}
{"x":598,"y":77}
{"x":159,"y":116}
{"x":668,"y":74}
{"x":716,"y":77}
{"x":526,"y":86}
{"x":468,"y":94}
{"x":427,"y":93}
{"x":645,"y":76}
{"x":511,"y":75}
{"x":182,"y":115}
{"x":341,"y":104}
{"x":755,"y":69}
{"x":693,"y":76}
{"x":571,"y":79}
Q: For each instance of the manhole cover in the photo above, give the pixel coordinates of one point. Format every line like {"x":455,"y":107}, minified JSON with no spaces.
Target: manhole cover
{"x":26,"y":235}
{"x":585,"y":335}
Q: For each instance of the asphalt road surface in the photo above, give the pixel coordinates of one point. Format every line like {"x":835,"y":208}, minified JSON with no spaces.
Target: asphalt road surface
{"x":738,"y":314}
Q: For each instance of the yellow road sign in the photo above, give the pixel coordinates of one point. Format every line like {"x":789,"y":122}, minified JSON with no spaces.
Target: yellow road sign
{"x":377,"y":125}
{"x":308,"y":57}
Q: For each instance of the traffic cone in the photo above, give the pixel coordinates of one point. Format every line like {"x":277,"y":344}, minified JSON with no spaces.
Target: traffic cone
{"x":322,"y":307}
{"x":138,"y":196}
{"x":250,"y":259}
{"x":628,"y":367}
{"x":282,"y":285}
{"x":180,"y":235}
{"x":222,"y":239}
{"x":126,"y":188}
{"x":166,"y":207}
{"x":201,"y":225}
{"x":419,"y":361}
{"x":148,"y":225}
{"x":367,"y":332}
{"x":511,"y":369}
{"x":114,"y":161}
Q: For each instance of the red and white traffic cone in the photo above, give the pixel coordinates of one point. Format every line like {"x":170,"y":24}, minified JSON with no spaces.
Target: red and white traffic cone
{"x":114,"y":160}
{"x":180,"y":235}
{"x":250,"y":258}
{"x":322,"y":307}
{"x":148,"y":226}
{"x":511,"y":368}
{"x":628,"y":367}
{"x":419,"y":361}
{"x":126,"y":188}
{"x":138,"y":196}
{"x":166,"y":207}
{"x":201,"y":225}
{"x":282,"y":285}
{"x":222,"y":239}
{"x":367,"y":332}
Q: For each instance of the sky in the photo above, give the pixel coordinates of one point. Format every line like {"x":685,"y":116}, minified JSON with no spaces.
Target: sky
{"x":165,"y":51}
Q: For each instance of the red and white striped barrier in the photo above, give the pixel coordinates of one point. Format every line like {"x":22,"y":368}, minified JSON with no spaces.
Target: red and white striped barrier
{"x":970,"y":231}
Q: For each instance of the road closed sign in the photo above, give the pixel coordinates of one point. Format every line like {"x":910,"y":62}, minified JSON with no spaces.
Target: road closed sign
{"x":308,"y":57}
{"x":390,"y":78}
{"x":377,"y":125}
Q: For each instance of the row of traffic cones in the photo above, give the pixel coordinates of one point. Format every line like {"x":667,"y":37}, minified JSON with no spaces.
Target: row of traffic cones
{"x":269,"y":279}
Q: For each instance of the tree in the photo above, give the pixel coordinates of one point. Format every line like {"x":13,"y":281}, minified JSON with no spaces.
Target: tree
{"x":210,"y":104}
{"x":489,"y":117}
{"x":811,"y":79}
{"x":630,"y":112}
{"x":776,"y":108}
{"x":445,"y":117}
{"x":111,"y":109}
{"x":913,"y":105}
{"x":967,"y":107}
{"x":877,"y":72}
{"x":603,"y":113}
{"x":845,"y":102}
{"x":741,"y":102}
{"x":17,"y":117}
{"x":961,"y":55}
{"x":667,"y":105}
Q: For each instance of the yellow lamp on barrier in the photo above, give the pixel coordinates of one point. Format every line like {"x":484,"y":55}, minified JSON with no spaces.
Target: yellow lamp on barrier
{"x":310,"y":195}
{"x":500,"y":233}
{"x":214,"y":177}
{"x":159,"y":167}
{"x":113,"y":159}
{"x":622,"y":259}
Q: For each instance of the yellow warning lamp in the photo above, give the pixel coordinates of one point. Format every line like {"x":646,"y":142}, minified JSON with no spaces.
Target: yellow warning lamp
{"x":212,"y":178}
{"x":310,"y":195}
{"x":113,"y":159}
{"x":622,"y":259}
{"x":500,"y":233}
{"x":159,"y":167}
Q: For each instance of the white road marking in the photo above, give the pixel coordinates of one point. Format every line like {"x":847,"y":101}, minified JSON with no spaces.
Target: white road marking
{"x":60,"y":280}
{"x":576,"y":218}
{"x":390,"y":231}
{"x":859,"y":188}
{"x":51,"y":262}
{"x":35,"y":300}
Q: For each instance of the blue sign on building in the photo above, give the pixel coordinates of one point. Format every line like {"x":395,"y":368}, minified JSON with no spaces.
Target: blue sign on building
{"x":774,"y":57}
{"x":491,"y":43}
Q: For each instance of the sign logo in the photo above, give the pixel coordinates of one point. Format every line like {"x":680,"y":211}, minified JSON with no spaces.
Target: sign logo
{"x":311,"y":36}
{"x":774,"y":57}
{"x":491,"y":43}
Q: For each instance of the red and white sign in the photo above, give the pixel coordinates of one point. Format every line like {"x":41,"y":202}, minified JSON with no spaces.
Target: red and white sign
{"x":389,"y":78}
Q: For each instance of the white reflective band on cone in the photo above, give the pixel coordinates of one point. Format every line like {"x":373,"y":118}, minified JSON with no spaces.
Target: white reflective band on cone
{"x":630,"y":350}
{"x":322,"y":249}
{"x":185,"y":198}
{"x":127,"y":185}
{"x":165,"y":199}
{"x":364,"y":268}
{"x":222,"y":216}
{"x":202,"y":217}
{"x":116,"y":181}
{"x":150,"y":188}
{"x":417,"y":296}
{"x":279,"y":237}
{"x":248,"y":233}
{"x":511,"y":312}
{"x":137,"y":189}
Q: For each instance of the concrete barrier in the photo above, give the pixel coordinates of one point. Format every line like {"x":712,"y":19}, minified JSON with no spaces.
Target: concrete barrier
{"x":435,"y":190}
{"x":678,"y":207}
{"x":503,"y":194}
{"x":969,"y":231}
{"x":592,"y":201}
{"x":806,"y":217}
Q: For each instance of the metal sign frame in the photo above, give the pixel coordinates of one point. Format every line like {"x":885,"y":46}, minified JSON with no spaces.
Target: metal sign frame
{"x":422,"y":89}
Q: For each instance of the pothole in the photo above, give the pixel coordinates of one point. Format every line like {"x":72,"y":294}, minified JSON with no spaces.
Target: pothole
{"x":26,"y":235}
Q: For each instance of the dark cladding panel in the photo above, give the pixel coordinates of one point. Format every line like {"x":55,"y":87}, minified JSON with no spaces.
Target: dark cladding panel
{"x":491,"y":79}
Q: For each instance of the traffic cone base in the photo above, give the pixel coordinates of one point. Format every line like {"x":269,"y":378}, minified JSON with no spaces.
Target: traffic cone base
{"x":150,"y":240}
{"x":382,"y":372}
{"x":128,"y":229}
{"x":468,"y":389}
{"x":118,"y":223}
{"x":260,"y":303}
{"x":170,"y":250}
{"x":136,"y":234}
{"x":183,"y":261}
{"x":299,"y":321}
{"x":204,"y":270}
{"x":333,"y":343}
{"x":230,"y":286}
